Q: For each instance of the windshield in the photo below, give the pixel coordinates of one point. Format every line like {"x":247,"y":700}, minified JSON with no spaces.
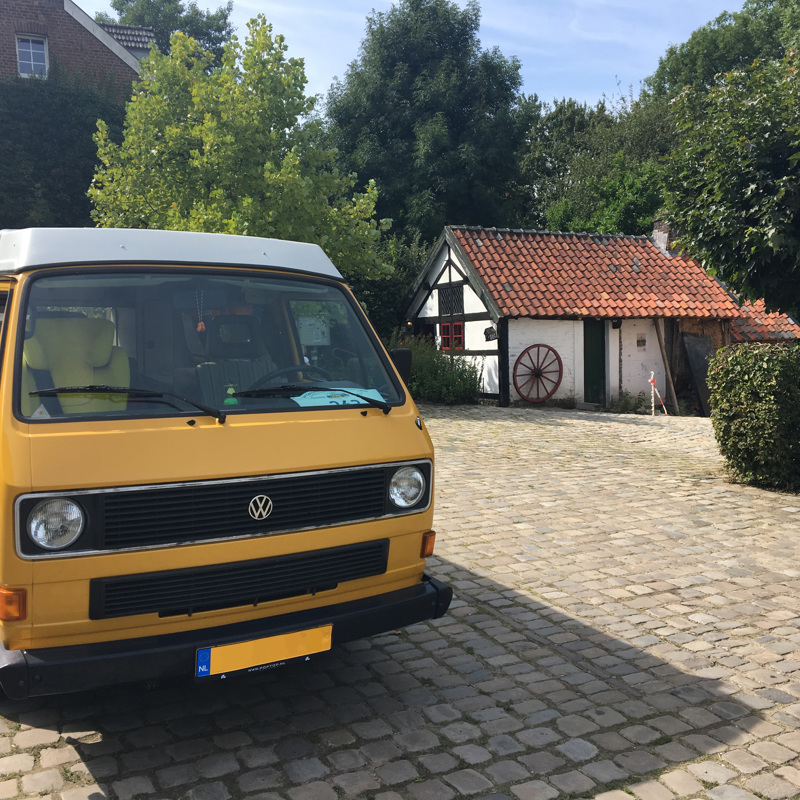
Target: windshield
{"x":195,"y":342}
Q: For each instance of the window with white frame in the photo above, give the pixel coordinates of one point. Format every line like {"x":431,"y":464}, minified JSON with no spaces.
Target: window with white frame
{"x":32,"y":56}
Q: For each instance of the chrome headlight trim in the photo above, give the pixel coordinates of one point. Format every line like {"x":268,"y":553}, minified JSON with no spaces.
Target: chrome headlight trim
{"x":55,"y":523}
{"x":407,"y":487}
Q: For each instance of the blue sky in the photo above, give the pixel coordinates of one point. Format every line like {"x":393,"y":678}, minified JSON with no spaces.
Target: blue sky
{"x":583,"y":49}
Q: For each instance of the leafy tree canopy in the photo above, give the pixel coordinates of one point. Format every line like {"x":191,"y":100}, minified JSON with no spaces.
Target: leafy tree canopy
{"x":47,"y":156}
{"x":210,"y":29}
{"x":732,"y":41}
{"x":431,"y":117}
{"x":227,"y":151}
{"x":594,"y":168}
{"x":733,"y":180}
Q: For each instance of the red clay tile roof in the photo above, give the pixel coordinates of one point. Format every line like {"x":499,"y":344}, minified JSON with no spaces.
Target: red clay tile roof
{"x":540,"y":274}
{"x":756,"y":324}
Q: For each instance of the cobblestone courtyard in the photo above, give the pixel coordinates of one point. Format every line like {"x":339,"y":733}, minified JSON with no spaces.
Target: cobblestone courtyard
{"x":626,"y":624}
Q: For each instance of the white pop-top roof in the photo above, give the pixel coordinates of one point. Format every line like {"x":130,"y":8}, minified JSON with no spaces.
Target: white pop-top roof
{"x":41,"y":247}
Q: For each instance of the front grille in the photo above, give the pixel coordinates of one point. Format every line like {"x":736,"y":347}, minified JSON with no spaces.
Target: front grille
{"x":154,"y":517}
{"x":176,"y":514}
{"x":242,"y":583}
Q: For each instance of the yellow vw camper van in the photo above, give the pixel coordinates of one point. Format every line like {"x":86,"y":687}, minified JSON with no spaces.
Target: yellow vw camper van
{"x":209,"y":464}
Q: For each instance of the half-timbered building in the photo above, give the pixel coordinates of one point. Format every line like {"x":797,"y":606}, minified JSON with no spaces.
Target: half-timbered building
{"x":568,"y":316}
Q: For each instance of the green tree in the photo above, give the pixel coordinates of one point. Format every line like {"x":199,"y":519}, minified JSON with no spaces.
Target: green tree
{"x":210,"y":29}
{"x":594,"y":168}
{"x":47,"y":156}
{"x":731,"y":41}
{"x":733,"y":180}
{"x":227,"y":151}
{"x":558,"y":134}
{"x":432,"y":118}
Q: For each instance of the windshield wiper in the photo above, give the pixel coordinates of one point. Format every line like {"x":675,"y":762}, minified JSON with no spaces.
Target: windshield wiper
{"x":293,"y":388}
{"x":130,"y":391}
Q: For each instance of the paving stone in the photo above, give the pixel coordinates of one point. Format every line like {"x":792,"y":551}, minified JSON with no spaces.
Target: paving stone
{"x":397,"y":772}
{"x":772,"y":752}
{"x":313,"y":791}
{"x":542,"y":763}
{"x":178,"y":775}
{"x":539,"y":737}
{"x":505,"y":745}
{"x":577,"y":749}
{"x":468,"y":781}
{"x":472,"y":753}
{"x":772,"y":787}
{"x":742,"y":761}
{"x":681,"y":783}
{"x":639,"y":762}
{"x":651,"y":790}
{"x":674,"y":752}
{"x":712,"y":772}
{"x":572,"y":782}
{"x":574,"y":725}
{"x":49,"y":780}
{"x":703,"y":744}
{"x":438,"y":762}
{"x":430,"y":790}
{"x":22,"y":762}
{"x":259,"y":779}
{"x":534,"y":790}
{"x":506,"y":772}
{"x":791,"y":774}
{"x":604,"y":771}
{"x":640,"y":734}
{"x":133,"y":787}
{"x":356,"y":783}
{"x":730,"y":793}
{"x":215,"y":790}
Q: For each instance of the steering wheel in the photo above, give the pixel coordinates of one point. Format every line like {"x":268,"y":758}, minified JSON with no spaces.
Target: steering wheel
{"x":264,"y":379}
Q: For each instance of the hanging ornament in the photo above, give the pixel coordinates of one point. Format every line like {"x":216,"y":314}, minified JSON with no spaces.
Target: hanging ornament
{"x":201,"y":326}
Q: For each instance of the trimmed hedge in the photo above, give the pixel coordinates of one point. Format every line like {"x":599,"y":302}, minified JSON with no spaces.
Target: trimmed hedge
{"x":438,"y":377}
{"x":755,"y":410}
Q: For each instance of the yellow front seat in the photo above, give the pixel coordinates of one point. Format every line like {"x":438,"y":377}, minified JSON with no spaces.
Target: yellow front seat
{"x":76,"y":351}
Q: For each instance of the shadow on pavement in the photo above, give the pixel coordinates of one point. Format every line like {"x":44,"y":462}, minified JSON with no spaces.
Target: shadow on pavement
{"x":626,"y":623}
{"x":505,"y":697}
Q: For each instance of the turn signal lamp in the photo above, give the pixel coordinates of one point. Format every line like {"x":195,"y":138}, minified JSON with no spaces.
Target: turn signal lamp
{"x":13,"y":605}
{"x":428,"y":543}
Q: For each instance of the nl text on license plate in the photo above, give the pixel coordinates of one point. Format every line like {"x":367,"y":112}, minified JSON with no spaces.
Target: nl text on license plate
{"x":258,"y":654}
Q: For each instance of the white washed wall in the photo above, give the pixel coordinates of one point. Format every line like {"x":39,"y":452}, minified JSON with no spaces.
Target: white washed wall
{"x":564,"y":336}
{"x":472,"y":303}
{"x":641,"y":355}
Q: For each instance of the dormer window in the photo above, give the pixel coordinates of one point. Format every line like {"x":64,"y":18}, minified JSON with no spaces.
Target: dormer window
{"x":32,"y":56}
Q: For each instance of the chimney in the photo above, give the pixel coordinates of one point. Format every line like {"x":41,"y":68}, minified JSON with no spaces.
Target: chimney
{"x":662,"y":237}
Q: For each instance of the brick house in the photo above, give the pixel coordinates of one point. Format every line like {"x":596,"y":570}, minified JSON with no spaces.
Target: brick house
{"x":575,"y":316}
{"x":36,"y":34}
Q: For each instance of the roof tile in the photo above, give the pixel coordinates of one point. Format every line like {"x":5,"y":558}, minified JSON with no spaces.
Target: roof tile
{"x":568,"y":274}
{"x":756,"y":324}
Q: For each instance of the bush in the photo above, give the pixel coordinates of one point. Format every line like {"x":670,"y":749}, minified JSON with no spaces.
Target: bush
{"x":755,"y":402}
{"x":438,"y":377}
{"x":629,"y":404}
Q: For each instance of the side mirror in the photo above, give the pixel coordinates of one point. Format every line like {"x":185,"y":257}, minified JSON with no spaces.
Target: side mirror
{"x":401,"y":356}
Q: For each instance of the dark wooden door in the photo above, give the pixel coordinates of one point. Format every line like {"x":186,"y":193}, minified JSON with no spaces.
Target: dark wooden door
{"x":594,"y":361}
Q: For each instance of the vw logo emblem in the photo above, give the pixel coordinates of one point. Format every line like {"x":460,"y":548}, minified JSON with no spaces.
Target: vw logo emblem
{"x":260,"y":507}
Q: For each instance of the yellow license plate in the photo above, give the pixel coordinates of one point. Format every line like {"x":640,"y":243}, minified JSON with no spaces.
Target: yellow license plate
{"x":272,"y":650}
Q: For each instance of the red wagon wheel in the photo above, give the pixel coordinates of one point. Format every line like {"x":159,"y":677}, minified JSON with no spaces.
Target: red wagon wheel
{"x":537,"y":373}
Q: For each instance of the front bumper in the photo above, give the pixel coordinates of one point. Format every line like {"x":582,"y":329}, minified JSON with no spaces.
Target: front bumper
{"x":55,"y":670}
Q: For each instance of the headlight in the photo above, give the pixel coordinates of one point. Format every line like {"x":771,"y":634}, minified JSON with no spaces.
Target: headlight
{"x":56,"y":523}
{"x":406,"y":487}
